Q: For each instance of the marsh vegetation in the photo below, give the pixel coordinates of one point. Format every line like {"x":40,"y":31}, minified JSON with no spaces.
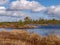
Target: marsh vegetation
{"x":22,"y":37}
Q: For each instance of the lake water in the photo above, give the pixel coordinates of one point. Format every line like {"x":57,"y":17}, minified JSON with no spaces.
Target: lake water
{"x":41,"y":30}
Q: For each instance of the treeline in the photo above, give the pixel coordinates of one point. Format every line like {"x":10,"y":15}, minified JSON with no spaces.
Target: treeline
{"x":28,"y":20}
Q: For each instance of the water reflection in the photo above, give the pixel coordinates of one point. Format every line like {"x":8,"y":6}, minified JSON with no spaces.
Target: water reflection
{"x":45,"y":32}
{"x":42,"y":32}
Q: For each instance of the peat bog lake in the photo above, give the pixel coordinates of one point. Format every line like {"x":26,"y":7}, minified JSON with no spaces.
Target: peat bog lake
{"x":41,"y":30}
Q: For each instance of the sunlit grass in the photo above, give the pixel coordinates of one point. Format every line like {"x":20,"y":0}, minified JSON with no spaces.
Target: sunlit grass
{"x":21,"y":37}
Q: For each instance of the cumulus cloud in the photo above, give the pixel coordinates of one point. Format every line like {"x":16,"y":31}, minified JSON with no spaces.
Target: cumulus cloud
{"x":53,"y":11}
{"x":3,"y":11}
{"x":4,"y":2}
{"x":10,"y":15}
{"x":26,"y":5}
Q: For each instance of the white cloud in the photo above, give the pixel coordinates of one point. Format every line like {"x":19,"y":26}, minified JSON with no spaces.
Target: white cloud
{"x":13,"y":13}
{"x":26,"y":5}
{"x":10,"y":15}
{"x":4,"y":12}
{"x":3,"y":2}
{"x":2,"y":9}
{"x":18,"y":13}
{"x":53,"y":11}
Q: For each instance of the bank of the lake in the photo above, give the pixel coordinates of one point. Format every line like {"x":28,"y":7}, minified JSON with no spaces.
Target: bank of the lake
{"x":27,"y":26}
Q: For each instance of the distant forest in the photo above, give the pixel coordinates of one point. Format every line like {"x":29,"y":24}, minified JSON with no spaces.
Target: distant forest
{"x":28,"y":20}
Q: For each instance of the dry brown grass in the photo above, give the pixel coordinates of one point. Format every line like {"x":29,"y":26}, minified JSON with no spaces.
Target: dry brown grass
{"x":21,"y":37}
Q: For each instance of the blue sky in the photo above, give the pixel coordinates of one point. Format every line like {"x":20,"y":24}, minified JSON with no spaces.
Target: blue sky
{"x":18,"y":9}
{"x":49,"y":2}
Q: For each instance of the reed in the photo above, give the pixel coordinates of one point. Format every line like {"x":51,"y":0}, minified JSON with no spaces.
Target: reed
{"x":22,"y":37}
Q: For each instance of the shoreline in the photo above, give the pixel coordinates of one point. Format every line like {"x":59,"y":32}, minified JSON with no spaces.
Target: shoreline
{"x":19,"y":27}
{"x":28,"y":26}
